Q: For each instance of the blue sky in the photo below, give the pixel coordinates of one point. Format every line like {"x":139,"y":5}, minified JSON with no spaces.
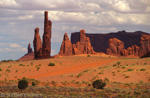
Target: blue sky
{"x":18,"y":18}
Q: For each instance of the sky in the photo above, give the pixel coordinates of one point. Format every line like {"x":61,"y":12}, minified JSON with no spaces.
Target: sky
{"x":19,"y":18}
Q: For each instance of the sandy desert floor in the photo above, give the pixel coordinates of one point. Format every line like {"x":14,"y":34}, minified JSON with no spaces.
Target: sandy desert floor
{"x":78,"y":71}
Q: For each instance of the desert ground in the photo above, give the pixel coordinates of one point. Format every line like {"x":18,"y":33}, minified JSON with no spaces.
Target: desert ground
{"x":72,"y":76}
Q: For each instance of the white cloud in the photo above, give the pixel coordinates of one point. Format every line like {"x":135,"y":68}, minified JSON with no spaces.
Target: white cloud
{"x":9,"y":3}
{"x":14,"y":45}
{"x":13,"y":50}
{"x":25,"y":17}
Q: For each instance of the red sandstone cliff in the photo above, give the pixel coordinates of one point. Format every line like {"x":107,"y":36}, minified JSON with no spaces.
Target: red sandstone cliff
{"x":115,"y":47}
{"x":100,"y":42}
{"x":144,"y":46}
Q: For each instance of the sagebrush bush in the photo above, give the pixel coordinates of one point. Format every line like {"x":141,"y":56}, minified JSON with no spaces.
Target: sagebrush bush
{"x":99,"y":84}
{"x":33,"y":84}
{"x":88,"y":56}
{"x":22,"y":84}
{"x":51,"y":64}
{"x":142,"y":69}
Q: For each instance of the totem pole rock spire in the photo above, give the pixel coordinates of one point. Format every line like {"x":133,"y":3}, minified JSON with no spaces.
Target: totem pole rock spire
{"x":29,"y":48}
{"x":37,"y":43}
{"x":46,"y":47}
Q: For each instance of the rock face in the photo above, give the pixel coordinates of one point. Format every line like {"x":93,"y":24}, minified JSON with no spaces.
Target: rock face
{"x":145,"y":46}
{"x":115,"y":47}
{"x":42,"y":51}
{"x":100,"y":42}
{"x":29,"y":48}
{"x":83,"y":46}
{"x":37,"y":43}
{"x":66,"y":46}
{"x":46,"y":49}
{"x":133,"y":50}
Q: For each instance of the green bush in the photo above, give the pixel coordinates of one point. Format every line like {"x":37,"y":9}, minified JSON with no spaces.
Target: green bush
{"x":8,"y":70}
{"x":21,"y":65}
{"x":118,"y":63}
{"x":51,"y":64}
{"x":33,"y":84}
{"x":0,"y":69}
{"x":22,"y":84}
{"x":143,"y":69}
{"x":114,"y":65}
{"x":130,"y":69}
{"x":99,"y":84}
{"x":127,"y":76}
{"x":88,"y":55}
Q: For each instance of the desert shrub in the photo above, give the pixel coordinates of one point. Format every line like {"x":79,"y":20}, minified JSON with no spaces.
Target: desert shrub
{"x":79,"y":75}
{"x":143,"y":69}
{"x":106,"y":80}
{"x":37,"y":68}
{"x":6,"y":60}
{"x":22,"y":84}
{"x":21,"y":65}
{"x":8,"y":70}
{"x":33,"y":84}
{"x":53,"y":82}
{"x":127,"y":76}
{"x":118,"y":63}
{"x":114,"y":65}
{"x":88,"y":55}
{"x":0,"y":69}
{"x":31,"y":63}
{"x":123,"y":67}
{"x":99,"y":84}
{"x":130,"y":69}
{"x":145,"y":63}
{"x":51,"y":64}
{"x":137,"y":92}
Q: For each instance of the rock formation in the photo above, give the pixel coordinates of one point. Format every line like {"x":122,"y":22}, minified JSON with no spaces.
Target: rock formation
{"x":145,"y":46}
{"x":66,"y":46}
{"x":29,"y":48}
{"x":100,"y":42}
{"x":83,"y":46}
{"x":29,"y":55}
{"x":37,"y":43}
{"x":133,"y":50}
{"x":115,"y":47}
{"x":42,"y":51}
{"x":46,"y":49}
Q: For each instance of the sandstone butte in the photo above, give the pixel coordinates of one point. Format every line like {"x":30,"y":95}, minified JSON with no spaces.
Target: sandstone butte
{"x":116,"y":47}
{"x":42,"y":51}
{"x":83,"y":46}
